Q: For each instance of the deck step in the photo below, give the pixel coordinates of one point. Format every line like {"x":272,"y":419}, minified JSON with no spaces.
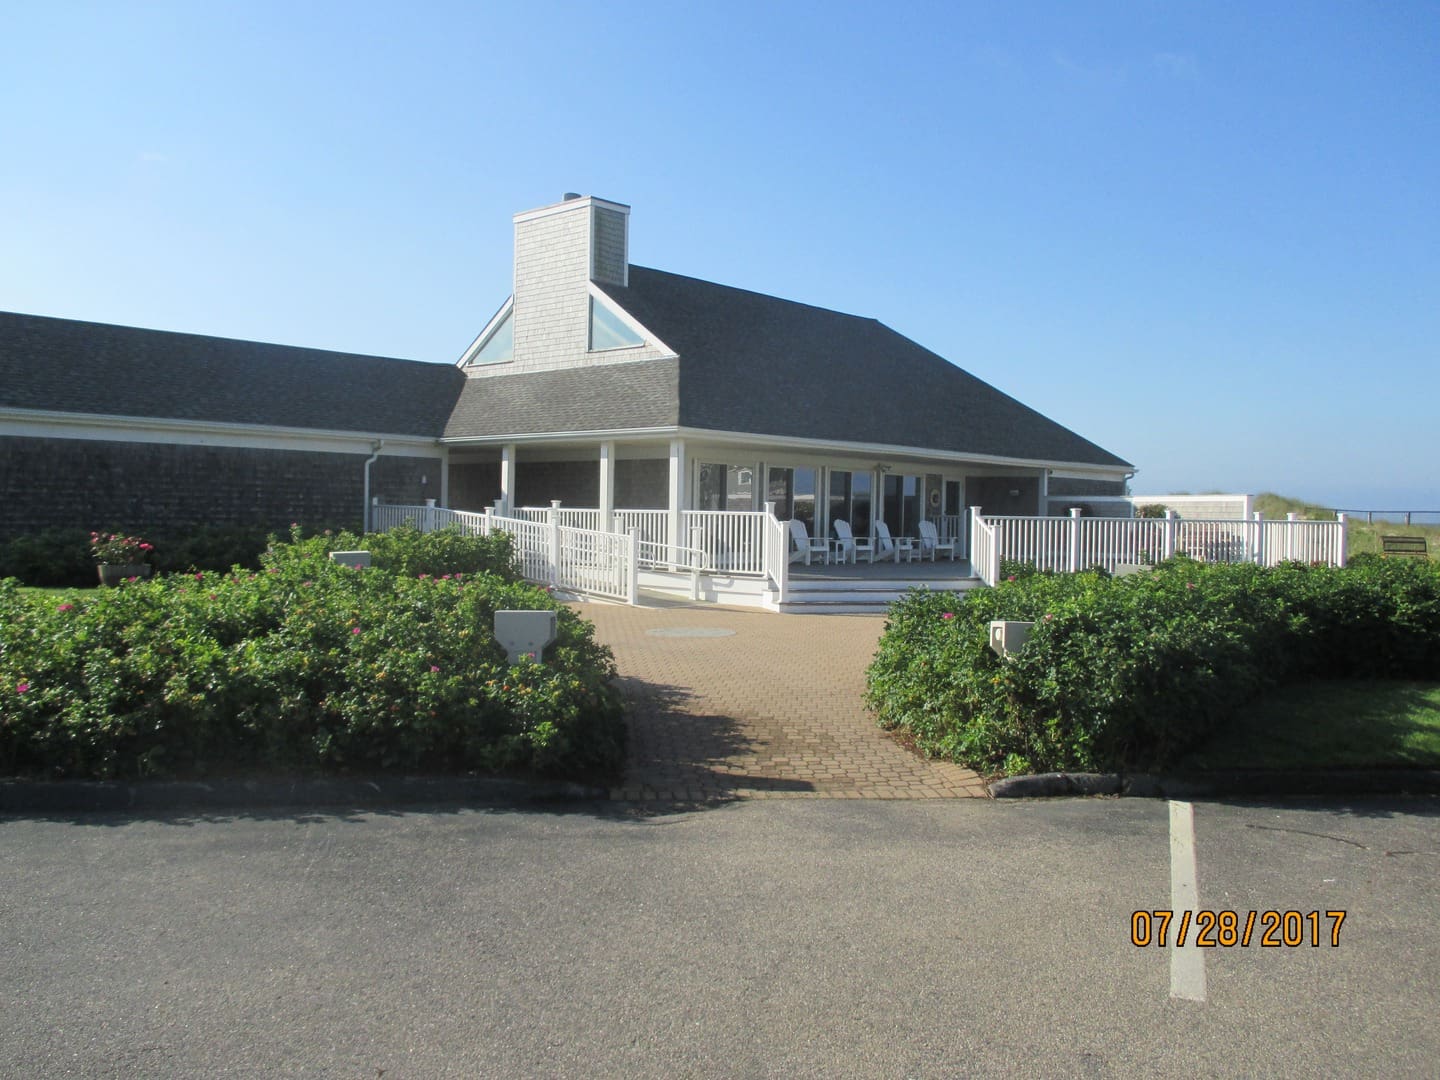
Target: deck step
{"x":861,"y":597}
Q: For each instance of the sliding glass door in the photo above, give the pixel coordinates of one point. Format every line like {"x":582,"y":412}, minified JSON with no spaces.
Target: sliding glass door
{"x":850,"y":494}
{"x":793,"y":493}
{"x":902,"y":505}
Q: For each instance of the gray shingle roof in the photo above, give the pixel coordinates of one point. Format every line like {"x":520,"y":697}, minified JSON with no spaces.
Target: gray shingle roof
{"x":748,"y":362}
{"x":755,"y":363}
{"x":611,"y":396}
{"x":69,"y":366}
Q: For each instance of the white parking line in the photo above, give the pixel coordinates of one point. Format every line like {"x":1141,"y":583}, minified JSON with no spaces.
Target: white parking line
{"x":1187,"y":962}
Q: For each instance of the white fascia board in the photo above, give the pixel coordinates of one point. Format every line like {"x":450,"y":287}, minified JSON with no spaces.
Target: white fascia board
{"x":561,"y":436}
{"x":650,"y":338}
{"x":1096,"y":473}
{"x":782,"y":442}
{"x":484,"y":335}
{"x":47,"y":424}
{"x":893,"y":450}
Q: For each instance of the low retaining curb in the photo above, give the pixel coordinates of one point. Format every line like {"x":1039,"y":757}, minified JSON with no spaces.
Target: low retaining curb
{"x":1217,"y":784}
{"x":42,"y":796}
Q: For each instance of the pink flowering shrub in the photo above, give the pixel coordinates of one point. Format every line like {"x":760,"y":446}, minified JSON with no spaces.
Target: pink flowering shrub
{"x":406,"y":550}
{"x":1130,"y":673}
{"x":313,"y":667}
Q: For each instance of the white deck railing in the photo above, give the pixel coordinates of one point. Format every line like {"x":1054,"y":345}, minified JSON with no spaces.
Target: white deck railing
{"x":733,"y":540}
{"x":736,"y":543}
{"x":1077,"y":543}
{"x":984,"y":549}
{"x":571,"y":517}
{"x":547,"y":552}
{"x":532,"y":546}
{"x":595,"y":562}
{"x":654,"y":525}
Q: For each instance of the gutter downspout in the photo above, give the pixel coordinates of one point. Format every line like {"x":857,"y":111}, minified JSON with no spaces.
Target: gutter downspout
{"x":376,"y":447}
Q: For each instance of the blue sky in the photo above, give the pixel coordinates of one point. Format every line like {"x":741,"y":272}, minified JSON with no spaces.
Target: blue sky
{"x":1204,"y":235}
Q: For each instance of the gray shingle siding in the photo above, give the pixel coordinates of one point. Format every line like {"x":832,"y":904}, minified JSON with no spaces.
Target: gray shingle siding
{"x":614,"y":396}
{"x":147,"y":487}
{"x":607,"y":252}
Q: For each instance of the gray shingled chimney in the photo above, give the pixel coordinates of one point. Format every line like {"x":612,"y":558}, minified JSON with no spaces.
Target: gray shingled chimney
{"x":558,"y":250}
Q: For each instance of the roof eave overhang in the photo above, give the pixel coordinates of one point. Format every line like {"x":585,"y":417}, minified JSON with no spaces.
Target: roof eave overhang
{"x":41,"y":423}
{"x":742,"y":438}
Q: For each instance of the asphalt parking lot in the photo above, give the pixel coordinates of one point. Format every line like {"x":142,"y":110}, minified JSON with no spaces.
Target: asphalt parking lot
{"x":762,"y":938}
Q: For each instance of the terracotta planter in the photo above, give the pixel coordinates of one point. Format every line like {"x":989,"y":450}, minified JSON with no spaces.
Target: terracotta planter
{"x":114,"y":573}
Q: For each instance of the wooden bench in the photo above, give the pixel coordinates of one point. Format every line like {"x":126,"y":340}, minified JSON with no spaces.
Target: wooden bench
{"x":1404,"y":545}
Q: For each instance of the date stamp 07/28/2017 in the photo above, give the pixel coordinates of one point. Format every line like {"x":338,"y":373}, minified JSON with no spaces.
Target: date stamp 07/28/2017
{"x":1207,"y":929}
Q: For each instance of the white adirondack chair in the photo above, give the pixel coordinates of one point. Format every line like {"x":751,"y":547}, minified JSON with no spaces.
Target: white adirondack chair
{"x":849,"y":547}
{"x":884,"y":543}
{"x":805,"y":546}
{"x":930,"y":542}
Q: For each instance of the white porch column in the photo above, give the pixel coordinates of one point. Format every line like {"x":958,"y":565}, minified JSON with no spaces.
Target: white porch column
{"x":607,"y":486}
{"x":507,"y":477}
{"x":679,"y":493}
{"x":1074,"y":538}
{"x":444,"y":476}
{"x":1043,"y":509}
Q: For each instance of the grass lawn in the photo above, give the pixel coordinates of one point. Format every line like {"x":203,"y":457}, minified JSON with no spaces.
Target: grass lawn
{"x":1331,"y":724}
{"x":36,"y":590}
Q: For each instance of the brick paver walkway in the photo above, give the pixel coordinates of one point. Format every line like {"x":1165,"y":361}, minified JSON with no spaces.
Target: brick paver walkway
{"x":729,"y":703}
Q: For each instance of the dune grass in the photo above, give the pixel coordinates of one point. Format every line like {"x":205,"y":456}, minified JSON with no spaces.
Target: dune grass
{"x":1362,"y":537}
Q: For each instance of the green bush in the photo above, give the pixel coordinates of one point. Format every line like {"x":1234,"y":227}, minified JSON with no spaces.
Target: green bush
{"x":209,"y":548}
{"x":304,"y":666}
{"x":406,"y":550}
{"x":61,"y":558}
{"x":1131,"y":672}
{"x":54,"y":557}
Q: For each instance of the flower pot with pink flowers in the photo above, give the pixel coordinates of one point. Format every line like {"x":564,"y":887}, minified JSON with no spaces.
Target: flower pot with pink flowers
{"x":120,"y":558}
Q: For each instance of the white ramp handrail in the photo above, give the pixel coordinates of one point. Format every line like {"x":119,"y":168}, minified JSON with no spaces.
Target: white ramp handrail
{"x":581,"y":560}
{"x":653,"y":524}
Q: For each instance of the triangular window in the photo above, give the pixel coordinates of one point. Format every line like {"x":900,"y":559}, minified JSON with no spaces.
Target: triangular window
{"x":499,"y":347}
{"x":608,"y":330}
